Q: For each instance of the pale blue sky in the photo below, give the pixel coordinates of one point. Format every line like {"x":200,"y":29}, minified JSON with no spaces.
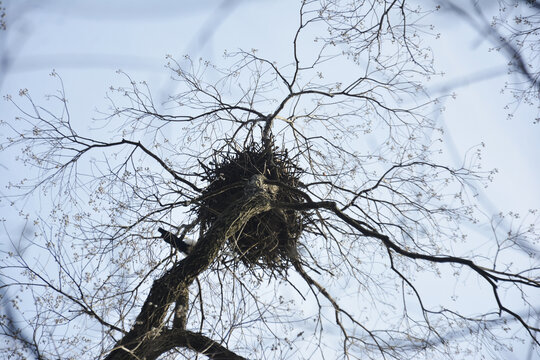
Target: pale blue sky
{"x":87,"y":41}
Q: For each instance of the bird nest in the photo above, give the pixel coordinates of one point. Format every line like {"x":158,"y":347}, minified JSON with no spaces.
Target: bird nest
{"x":268,"y":240}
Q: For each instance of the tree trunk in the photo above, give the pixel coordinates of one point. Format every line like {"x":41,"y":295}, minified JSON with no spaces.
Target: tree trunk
{"x":150,"y":337}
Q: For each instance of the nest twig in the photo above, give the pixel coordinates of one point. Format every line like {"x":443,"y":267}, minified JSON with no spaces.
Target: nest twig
{"x":268,"y":240}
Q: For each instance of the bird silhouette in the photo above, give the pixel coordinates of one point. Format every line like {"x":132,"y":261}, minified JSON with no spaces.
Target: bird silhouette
{"x":175,"y":241}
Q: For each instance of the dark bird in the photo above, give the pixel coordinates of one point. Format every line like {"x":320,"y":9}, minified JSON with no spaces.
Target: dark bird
{"x":175,"y":241}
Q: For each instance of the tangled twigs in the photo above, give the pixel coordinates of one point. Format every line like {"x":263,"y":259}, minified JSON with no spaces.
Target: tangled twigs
{"x":268,"y":239}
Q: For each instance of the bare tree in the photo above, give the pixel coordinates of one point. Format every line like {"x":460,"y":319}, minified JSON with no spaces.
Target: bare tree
{"x":252,"y":218}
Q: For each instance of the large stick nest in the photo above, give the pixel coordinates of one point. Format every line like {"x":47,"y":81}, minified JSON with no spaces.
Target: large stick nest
{"x":268,"y":240}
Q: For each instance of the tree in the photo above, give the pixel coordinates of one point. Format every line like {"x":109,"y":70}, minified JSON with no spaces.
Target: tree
{"x":307,"y":240}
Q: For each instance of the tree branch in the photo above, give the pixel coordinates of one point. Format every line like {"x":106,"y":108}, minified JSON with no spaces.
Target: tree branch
{"x":151,"y":320}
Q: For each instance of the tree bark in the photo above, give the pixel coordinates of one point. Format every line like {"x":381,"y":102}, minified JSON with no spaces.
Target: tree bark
{"x":150,"y":336}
